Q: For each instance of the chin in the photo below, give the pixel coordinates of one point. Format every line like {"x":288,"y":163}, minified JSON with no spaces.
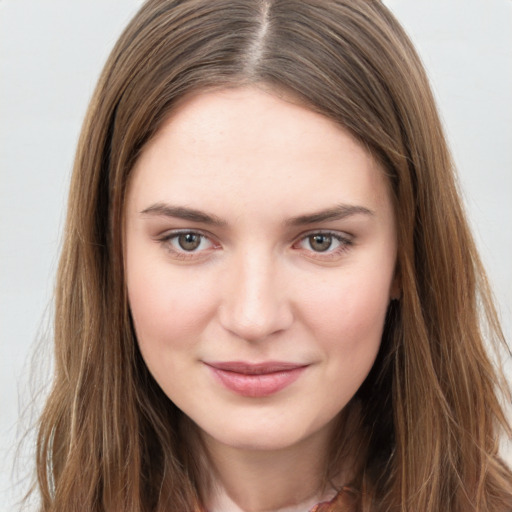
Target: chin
{"x":271,"y":434}
{"x":259,"y":441}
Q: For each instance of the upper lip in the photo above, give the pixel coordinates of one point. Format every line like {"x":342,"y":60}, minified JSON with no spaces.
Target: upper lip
{"x":255,"y":368}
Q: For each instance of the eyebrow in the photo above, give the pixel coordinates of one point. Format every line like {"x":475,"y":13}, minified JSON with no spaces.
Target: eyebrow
{"x":182,"y":212}
{"x":336,"y":213}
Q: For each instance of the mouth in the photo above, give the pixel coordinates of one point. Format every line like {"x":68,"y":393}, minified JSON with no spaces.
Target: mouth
{"x":256,"y":380}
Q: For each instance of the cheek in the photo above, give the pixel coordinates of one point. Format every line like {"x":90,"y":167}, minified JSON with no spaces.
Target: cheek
{"x":167,"y":308}
{"x":347,"y":319}
{"x":169,"y":313}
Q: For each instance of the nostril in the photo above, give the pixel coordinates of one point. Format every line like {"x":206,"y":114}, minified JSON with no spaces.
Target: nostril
{"x":253,"y":304}
{"x":255,"y":324}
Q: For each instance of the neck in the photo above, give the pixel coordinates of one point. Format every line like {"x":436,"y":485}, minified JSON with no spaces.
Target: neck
{"x":291,"y":479}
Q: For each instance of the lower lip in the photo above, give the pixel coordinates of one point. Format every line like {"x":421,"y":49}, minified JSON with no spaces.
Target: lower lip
{"x":259,"y":385}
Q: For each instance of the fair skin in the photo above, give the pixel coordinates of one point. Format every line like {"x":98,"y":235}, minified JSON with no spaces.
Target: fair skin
{"x":260,"y":257}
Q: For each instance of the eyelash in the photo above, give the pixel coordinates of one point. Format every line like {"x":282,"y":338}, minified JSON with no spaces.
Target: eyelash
{"x":345,"y":242}
{"x":182,"y":254}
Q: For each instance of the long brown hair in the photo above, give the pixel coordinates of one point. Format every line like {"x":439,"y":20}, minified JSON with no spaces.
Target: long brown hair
{"x":430,"y":420}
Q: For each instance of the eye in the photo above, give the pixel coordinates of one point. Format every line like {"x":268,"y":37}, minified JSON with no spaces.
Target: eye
{"x":183,"y":244}
{"x":320,"y":242}
{"x":324,"y":244}
{"x":188,"y":241}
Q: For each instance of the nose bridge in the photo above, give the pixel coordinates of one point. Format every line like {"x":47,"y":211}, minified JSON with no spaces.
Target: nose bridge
{"x":254,"y":303}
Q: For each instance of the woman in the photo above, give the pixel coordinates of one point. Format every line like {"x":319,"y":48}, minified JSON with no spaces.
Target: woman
{"x":268,"y":297}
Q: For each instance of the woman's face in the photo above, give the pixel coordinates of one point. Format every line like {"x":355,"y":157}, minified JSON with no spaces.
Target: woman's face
{"x":260,"y":256}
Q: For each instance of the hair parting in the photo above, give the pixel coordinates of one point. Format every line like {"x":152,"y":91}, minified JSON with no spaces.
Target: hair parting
{"x":427,"y":420}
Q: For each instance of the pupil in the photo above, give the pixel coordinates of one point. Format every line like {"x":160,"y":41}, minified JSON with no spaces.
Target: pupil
{"x":320,"y":242}
{"x":189,"y":241}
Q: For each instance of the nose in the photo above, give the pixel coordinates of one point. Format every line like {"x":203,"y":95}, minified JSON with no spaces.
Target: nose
{"x":255,"y":303}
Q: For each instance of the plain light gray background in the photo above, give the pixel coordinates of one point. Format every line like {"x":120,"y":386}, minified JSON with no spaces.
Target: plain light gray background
{"x":51,"y":53}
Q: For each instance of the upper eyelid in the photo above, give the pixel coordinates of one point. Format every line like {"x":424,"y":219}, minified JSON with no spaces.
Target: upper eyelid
{"x":339,"y":235}
{"x":167,"y":236}
{"x":166,"y":240}
{"x":342,"y":235}
{"x":330,"y":255}
{"x":170,"y":233}
{"x":335,"y":233}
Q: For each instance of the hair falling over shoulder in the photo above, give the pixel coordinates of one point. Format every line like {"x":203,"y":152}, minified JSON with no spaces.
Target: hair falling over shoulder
{"x":429,"y":418}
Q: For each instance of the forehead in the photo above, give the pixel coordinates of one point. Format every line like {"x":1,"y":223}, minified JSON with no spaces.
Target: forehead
{"x":249,"y":142}
{"x":260,"y":116}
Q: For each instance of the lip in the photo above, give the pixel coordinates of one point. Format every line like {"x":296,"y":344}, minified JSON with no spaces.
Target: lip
{"x":256,"y":380}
